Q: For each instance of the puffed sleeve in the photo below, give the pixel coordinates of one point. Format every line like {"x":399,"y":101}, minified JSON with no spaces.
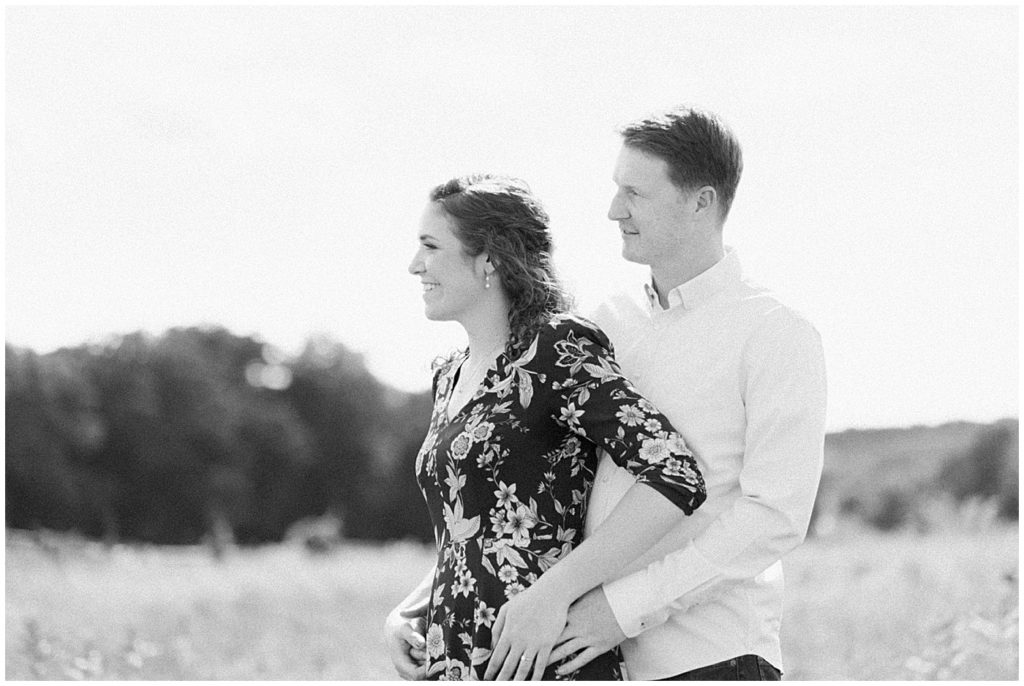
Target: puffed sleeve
{"x":592,"y":398}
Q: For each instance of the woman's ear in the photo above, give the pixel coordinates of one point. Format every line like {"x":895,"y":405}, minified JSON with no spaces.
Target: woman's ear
{"x":484,"y":263}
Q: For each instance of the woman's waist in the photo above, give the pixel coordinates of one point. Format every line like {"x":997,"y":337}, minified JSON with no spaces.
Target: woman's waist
{"x":542,"y":550}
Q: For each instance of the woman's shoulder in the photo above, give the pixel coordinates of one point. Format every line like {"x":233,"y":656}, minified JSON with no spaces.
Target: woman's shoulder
{"x":562,"y":333}
{"x":571,"y":326}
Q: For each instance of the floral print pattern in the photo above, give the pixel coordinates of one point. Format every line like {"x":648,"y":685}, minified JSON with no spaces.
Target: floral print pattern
{"x":506,"y":480}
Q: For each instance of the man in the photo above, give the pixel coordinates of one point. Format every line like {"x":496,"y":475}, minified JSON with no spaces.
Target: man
{"x":742,"y":377}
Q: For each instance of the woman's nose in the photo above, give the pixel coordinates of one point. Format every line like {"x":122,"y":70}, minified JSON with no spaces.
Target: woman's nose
{"x":416,"y":266}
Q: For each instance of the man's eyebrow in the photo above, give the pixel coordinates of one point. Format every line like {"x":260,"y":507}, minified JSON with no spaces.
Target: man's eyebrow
{"x":426,"y":236}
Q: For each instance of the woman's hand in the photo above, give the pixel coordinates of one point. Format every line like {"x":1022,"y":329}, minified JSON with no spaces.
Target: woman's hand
{"x":403,"y":636}
{"x":525,"y":633}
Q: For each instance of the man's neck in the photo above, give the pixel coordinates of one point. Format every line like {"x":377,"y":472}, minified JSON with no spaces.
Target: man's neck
{"x":669,"y":276}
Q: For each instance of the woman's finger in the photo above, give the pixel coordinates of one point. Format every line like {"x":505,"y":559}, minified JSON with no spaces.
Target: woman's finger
{"x":499,"y":650}
{"x":417,"y":609}
{"x":499,"y":624}
{"x":540,"y":664}
{"x":508,"y":670}
{"x":524,"y":667}
{"x":413,"y":638}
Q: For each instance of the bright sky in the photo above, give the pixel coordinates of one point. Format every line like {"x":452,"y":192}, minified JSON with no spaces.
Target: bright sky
{"x":264,"y":168}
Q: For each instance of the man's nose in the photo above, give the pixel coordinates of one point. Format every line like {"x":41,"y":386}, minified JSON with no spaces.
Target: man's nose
{"x":617,"y":210}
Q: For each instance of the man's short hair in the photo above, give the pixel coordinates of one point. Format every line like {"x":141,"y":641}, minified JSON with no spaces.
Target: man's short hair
{"x":700,"y":149}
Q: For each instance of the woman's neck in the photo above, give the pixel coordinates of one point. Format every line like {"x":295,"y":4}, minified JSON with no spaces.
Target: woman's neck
{"x":487,"y":331}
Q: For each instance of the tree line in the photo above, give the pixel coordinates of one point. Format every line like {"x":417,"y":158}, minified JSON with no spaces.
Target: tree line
{"x":198,"y":432}
{"x":168,"y":439}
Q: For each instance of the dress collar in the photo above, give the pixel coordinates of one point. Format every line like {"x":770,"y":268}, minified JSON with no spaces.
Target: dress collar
{"x":701,"y":288}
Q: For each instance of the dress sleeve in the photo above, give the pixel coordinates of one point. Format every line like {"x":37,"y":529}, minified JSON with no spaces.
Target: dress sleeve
{"x":592,"y":398}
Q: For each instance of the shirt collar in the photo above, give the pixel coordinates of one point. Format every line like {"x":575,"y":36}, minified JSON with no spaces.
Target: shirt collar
{"x":701,"y":288}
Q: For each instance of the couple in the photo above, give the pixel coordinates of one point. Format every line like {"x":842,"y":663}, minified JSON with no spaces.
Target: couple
{"x":674,"y":555}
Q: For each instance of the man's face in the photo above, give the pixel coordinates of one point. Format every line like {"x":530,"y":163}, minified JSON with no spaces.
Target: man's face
{"x":654,"y":215}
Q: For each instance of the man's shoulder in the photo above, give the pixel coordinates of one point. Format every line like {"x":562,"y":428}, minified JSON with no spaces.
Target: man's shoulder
{"x":767,"y":307}
{"x":620,"y":310}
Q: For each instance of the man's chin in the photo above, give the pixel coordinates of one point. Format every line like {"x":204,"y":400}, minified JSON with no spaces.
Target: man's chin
{"x":631,"y":256}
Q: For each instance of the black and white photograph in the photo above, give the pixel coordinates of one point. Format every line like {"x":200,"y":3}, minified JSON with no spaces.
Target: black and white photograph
{"x":512,"y":342}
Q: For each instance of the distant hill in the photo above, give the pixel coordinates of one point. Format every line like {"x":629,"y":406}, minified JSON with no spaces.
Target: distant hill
{"x":896,"y":454}
{"x":866,"y":470}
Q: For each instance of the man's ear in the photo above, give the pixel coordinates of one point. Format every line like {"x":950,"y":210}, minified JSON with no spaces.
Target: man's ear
{"x":705,"y":199}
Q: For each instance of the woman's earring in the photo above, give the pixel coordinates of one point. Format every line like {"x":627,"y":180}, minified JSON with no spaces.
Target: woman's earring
{"x":487,"y":281}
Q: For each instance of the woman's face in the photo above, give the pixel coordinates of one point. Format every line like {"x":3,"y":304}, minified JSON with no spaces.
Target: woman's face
{"x":453,"y":282}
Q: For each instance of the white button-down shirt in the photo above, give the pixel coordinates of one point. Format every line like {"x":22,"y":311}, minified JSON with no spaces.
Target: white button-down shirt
{"x":742,"y":378}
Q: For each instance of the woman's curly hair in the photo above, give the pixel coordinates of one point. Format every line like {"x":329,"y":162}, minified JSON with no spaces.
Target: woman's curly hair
{"x":500,"y":216}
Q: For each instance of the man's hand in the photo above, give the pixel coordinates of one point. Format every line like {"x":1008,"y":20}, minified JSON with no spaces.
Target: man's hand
{"x":403,"y":636}
{"x":590,"y":631}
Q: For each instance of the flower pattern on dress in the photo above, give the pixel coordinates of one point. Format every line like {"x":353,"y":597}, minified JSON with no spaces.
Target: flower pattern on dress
{"x":506,"y":480}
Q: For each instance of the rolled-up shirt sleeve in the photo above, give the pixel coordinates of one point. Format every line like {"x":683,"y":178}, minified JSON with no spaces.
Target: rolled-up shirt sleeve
{"x":784,"y":393}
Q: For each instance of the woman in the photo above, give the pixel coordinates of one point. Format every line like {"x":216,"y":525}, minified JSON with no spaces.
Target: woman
{"x":510,"y":454}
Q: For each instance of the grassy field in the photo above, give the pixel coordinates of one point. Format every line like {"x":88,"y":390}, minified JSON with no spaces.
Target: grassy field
{"x":859,"y":606}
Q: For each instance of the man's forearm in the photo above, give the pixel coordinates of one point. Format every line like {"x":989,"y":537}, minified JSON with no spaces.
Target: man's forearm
{"x":641,"y":518}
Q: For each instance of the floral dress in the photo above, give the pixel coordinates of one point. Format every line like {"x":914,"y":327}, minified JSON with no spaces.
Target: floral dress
{"x":506,"y":480}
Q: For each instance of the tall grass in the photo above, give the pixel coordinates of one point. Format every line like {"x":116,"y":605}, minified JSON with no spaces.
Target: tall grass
{"x":903,"y":607}
{"x":859,"y":606}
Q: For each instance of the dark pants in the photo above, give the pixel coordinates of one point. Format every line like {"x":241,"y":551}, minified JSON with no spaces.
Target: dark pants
{"x":744,"y":668}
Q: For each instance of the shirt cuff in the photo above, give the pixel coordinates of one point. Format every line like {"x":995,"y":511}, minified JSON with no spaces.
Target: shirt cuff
{"x":645,"y":599}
